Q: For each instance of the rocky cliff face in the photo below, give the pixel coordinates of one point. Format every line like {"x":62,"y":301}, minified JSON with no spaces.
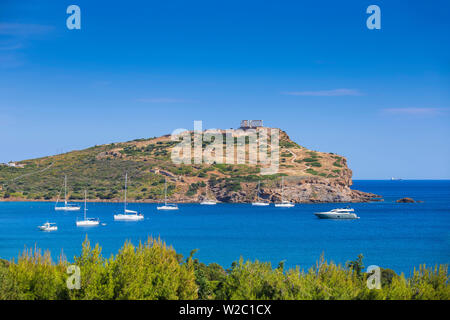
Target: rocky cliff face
{"x":309,"y":176}
{"x":301,"y":190}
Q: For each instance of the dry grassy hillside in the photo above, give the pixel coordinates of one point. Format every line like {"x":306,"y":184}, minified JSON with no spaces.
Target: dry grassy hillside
{"x":101,"y":169}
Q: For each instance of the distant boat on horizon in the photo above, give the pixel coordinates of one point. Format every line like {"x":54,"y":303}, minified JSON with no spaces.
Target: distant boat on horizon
{"x":67,"y":206}
{"x":396,"y":179}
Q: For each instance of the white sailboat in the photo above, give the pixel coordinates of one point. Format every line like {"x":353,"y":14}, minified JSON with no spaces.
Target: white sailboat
{"x":207,"y":201}
{"x":167,"y":206}
{"x":258,"y":201}
{"x":87,"y":222}
{"x":48,"y":226}
{"x":67,"y":206}
{"x":128,"y":215}
{"x":283,"y":203}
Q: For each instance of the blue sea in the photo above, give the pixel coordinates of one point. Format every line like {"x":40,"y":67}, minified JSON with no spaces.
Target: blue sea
{"x":388,"y":234}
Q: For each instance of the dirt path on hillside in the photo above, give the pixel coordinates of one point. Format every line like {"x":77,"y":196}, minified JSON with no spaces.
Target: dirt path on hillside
{"x":294,"y":157}
{"x":30,"y":173}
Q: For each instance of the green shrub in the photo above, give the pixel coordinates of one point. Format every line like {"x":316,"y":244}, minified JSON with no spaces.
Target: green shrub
{"x":310,"y":160}
{"x":311,"y":171}
{"x":288,"y":144}
{"x":233,"y":186}
{"x":153,"y":270}
{"x":337,"y":164}
{"x":193,"y":188}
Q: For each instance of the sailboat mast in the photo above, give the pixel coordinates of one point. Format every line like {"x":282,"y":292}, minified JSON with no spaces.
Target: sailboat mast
{"x":259,"y":186}
{"x":165,"y":191}
{"x":85,"y":196}
{"x":65,"y":190}
{"x":125,"y":201}
{"x":57,"y":199}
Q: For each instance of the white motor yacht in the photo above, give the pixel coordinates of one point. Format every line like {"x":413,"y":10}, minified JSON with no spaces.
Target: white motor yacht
{"x":48,"y":226}
{"x":343,"y":213}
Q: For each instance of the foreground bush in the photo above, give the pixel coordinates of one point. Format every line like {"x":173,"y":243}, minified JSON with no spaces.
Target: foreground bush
{"x":155,"y":271}
{"x":148,"y":271}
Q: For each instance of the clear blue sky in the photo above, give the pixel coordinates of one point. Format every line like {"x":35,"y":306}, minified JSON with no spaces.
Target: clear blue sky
{"x":144,"y":68}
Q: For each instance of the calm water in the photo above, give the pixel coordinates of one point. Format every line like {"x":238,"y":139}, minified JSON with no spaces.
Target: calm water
{"x":397,"y":236}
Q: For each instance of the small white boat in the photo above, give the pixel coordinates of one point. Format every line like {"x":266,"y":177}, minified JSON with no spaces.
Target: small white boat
{"x":260,"y":204}
{"x":48,"y":226}
{"x":128,"y":215}
{"x":67,"y":206}
{"x":284,"y":203}
{"x":258,"y":201}
{"x":343,"y":213}
{"x":167,"y":206}
{"x":208,"y":202}
{"x":87,"y":222}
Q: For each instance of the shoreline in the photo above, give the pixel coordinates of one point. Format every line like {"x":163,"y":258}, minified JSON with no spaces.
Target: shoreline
{"x":177,"y":202}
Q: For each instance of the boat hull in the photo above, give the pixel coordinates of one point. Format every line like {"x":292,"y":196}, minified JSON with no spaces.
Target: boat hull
{"x":128,"y":217}
{"x":167,"y":208}
{"x":44,"y":228}
{"x":338,"y":216}
{"x":284,"y":205}
{"x":260,"y":204}
{"x":87,"y":223}
{"x":48,"y":229}
{"x":67,"y":208}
